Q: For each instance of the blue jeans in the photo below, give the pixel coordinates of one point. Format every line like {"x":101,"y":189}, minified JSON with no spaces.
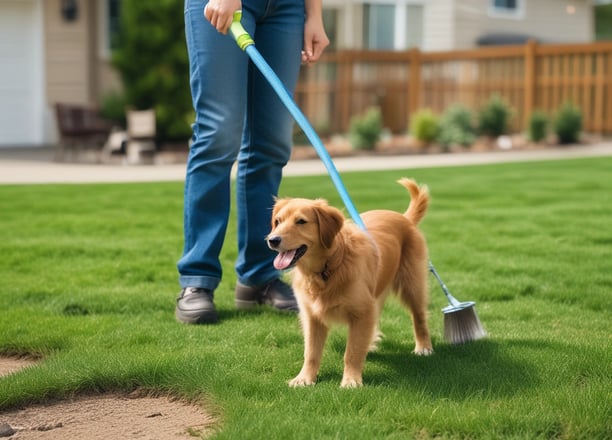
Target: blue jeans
{"x":238,"y":118}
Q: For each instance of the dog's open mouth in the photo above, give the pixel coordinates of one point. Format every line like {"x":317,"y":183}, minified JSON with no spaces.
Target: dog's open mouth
{"x":287,"y":259}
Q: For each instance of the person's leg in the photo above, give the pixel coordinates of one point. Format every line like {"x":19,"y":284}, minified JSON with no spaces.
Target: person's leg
{"x":267,"y":139}
{"x":218,"y":86}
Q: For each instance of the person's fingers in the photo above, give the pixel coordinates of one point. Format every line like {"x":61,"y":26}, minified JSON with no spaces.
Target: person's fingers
{"x":218,"y":19}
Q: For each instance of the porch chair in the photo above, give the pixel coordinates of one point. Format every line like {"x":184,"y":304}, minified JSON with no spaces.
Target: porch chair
{"x":141,"y":131}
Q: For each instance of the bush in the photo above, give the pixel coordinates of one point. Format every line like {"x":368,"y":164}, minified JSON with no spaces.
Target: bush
{"x":113,"y":108}
{"x":568,"y":124}
{"x":152,"y":61}
{"x":425,"y":126}
{"x":538,"y":126}
{"x":494,"y":117}
{"x":365,"y":130}
{"x":457,"y":126}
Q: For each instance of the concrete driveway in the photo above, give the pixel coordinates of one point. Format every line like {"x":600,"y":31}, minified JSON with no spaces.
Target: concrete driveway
{"x":32,"y":168}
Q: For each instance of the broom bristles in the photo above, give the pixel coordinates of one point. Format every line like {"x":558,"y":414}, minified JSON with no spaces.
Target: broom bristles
{"x":463,"y":326}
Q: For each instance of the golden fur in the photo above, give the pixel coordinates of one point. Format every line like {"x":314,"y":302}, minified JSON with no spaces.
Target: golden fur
{"x":342,"y":274}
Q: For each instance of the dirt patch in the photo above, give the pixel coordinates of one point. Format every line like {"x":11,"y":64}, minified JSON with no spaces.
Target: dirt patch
{"x":11,"y":365}
{"x":103,"y":416}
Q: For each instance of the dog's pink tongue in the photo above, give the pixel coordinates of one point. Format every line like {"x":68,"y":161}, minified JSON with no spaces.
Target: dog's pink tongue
{"x":283,"y":260}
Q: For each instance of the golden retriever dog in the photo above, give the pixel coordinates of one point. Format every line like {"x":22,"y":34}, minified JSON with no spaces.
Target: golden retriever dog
{"x":342,"y":274}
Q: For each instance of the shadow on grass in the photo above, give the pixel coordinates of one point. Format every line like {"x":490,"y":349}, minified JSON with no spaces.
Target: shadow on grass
{"x":256,"y":312}
{"x":456,"y":372}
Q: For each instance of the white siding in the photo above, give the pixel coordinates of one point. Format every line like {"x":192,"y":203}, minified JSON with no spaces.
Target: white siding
{"x":439,"y":25}
{"x":546,"y":20}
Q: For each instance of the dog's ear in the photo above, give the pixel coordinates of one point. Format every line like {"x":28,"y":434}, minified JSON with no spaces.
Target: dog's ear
{"x":330,"y":221}
{"x":278,"y":205}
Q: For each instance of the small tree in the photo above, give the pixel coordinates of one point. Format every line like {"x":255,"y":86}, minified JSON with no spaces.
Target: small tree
{"x":365,"y":129}
{"x":152,"y":60}
{"x":457,"y":126}
{"x":425,"y":126}
{"x":494,"y":117}
{"x":568,"y":123}
{"x":538,"y":126}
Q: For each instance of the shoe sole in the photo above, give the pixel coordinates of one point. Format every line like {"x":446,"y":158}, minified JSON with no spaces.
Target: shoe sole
{"x":244,"y":304}
{"x":209,"y":317}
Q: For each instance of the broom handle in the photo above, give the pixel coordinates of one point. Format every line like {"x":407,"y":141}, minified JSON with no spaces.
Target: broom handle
{"x":451,"y":299}
{"x":246,"y":43}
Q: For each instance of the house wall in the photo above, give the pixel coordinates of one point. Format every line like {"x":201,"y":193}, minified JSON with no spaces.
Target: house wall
{"x":350,"y":20}
{"x":108,"y":78}
{"x":547,"y":18}
{"x":69,"y":54}
{"x":439,"y":25}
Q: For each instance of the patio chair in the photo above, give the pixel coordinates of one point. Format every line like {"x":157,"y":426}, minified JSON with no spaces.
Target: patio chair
{"x":141,"y":131}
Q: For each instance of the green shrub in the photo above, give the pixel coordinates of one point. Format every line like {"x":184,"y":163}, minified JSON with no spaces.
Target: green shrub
{"x":152,"y":61}
{"x":494,"y":117}
{"x":425,"y":126}
{"x":538,"y":126}
{"x":568,"y":123}
{"x":365,"y":129}
{"x":113,"y":108}
{"x":457,"y":126}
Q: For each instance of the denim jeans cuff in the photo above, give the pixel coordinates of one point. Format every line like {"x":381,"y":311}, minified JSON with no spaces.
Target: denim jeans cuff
{"x":203,"y":282}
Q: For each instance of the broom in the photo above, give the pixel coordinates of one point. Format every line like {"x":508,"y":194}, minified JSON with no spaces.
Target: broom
{"x":461,"y":323}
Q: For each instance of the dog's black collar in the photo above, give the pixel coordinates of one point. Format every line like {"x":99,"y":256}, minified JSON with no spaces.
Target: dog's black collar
{"x":325,"y":273}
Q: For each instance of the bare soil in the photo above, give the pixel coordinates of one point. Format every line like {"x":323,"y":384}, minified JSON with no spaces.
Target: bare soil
{"x":134,"y":416}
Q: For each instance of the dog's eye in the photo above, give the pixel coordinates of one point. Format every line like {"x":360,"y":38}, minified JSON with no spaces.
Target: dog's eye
{"x":300,"y":221}
{"x":276,"y":222}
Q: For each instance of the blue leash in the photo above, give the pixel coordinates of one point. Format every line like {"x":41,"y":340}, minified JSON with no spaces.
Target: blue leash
{"x":246,"y":43}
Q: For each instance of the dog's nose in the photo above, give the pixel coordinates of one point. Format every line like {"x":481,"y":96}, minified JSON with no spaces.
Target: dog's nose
{"x":274,"y":241}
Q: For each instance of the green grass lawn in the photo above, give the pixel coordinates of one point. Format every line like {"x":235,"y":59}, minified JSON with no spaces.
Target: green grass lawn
{"x":88,"y":283}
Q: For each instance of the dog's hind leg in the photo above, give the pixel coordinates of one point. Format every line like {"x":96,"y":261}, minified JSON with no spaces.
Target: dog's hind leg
{"x":413,"y":294}
{"x":377,"y":336}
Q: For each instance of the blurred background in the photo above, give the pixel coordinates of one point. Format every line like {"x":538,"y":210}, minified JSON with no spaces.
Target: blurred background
{"x":410,"y":70}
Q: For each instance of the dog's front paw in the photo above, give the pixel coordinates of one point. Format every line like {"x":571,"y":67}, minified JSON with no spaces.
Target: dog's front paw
{"x":301,"y":381}
{"x":351,"y":382}
{"x":423,"y":351}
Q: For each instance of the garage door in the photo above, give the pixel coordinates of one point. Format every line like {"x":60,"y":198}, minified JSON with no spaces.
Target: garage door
{"x":21,"y":73}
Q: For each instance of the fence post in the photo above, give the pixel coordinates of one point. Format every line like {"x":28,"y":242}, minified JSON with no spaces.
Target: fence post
{"x":414,"y":84}
{"x":343,"y":89}
{"x":530,"y":81}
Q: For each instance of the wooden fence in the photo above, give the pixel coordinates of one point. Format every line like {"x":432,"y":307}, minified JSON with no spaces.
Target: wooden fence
{"x":529,"y":77}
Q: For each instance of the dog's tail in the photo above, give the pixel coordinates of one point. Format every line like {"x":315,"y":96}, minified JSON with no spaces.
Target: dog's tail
{"x":419,"y":200}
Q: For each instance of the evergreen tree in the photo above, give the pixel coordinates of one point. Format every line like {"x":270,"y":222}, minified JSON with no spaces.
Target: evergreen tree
{"x":151,"y":57}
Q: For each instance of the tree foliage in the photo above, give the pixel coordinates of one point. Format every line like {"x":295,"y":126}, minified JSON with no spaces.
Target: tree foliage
{"x":151,"y":58}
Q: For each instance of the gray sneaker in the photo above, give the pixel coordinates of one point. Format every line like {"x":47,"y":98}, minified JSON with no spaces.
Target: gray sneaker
{"x":276,"y":294}
{"x":195,"y":306}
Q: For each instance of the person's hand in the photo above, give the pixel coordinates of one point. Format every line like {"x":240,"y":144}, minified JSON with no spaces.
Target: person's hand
{"x":315,"y":40}
{"x":220,"y":13}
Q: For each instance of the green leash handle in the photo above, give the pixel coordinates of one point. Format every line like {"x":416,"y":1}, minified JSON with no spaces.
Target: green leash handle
{"x":242,"y":37}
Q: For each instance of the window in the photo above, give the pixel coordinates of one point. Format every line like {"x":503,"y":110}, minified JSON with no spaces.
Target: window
{"x":504,"y":4}
{"x":378,"y":27}
{"x":114,"y":16}
{"x":506,"y":8}
{"x":109,"y":12}
{"x":393,"y":26}
{"x":330,"y":22}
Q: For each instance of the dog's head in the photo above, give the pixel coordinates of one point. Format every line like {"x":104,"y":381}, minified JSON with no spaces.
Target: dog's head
{"x":301,"y":227}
